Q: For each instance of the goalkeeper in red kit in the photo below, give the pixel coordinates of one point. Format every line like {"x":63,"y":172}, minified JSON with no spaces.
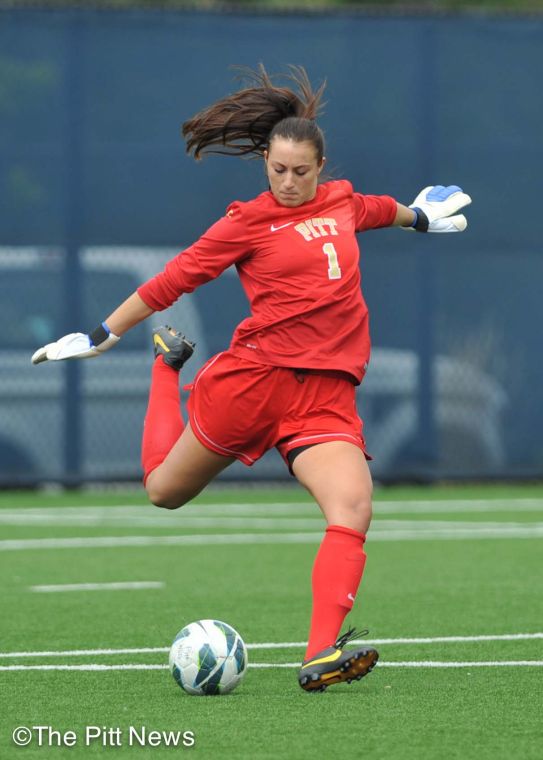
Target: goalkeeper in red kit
{"x":288,"y":378}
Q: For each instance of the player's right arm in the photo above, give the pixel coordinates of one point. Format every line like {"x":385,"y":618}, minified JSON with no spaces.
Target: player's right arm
{"x":129,"y":314}
{"x":222,"y":245}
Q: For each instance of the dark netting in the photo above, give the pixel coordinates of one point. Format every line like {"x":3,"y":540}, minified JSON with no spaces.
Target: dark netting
{"x":96,"y":193}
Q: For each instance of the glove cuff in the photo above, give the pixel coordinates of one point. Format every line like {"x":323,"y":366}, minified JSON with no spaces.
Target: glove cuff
{"x":421,"y":222}
{"x":102,"y":338}
{"x":99,"y":334}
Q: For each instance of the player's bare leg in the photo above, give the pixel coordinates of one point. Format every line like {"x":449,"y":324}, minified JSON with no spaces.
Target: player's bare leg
{"x":338,"y":477}
{"x":186,"y":470}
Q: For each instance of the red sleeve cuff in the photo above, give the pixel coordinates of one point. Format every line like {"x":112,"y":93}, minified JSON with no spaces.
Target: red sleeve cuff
{"x":392,"y":210}
{"x":146,"y":295}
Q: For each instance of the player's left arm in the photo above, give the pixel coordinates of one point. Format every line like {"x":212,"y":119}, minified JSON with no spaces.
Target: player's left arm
{"x":434,"y":210}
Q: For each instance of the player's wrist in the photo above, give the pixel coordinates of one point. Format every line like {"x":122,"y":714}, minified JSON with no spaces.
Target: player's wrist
{"x":420,"y":222}
{"x":101,"y":338}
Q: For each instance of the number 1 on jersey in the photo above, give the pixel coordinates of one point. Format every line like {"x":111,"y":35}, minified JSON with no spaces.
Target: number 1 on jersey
{"x":334,"y":272}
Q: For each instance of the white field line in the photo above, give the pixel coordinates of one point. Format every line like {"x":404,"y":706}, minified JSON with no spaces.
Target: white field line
{"x":425,"y":640}
{"x":179,"y":520}
{"x":457,"y":505}
{"x":146,"y":515}
{"x":419,"y":664}
{"x":118,"y":586}
{"x":422,"y":664}
{"x":283,"y":645}
{"x":183,"y":522}
{"x":89,"y":666}
{"x":475,"y":664}
{"x":84,"y":652}
{"x":314,"y":522}
{"x":411,"y":531}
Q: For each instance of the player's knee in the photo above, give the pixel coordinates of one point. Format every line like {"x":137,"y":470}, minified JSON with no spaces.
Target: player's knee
{"x":166,"y":503}
{"x":363,"y":510}
{"x":366,"y":504}
{"x":163,"y":501}
{"x":359,"y":502}
{"x":164,"y":497}
{"x":355,"y":512}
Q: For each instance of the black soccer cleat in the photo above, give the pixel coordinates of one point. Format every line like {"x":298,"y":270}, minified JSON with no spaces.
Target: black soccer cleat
{"x":172,"y":345}
{"x":333,"y":665}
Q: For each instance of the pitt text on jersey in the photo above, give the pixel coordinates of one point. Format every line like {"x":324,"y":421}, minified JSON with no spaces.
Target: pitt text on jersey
{"x":316,"y":228}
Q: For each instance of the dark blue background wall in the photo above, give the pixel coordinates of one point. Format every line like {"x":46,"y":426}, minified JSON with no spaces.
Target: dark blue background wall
{"x":91,"y":105}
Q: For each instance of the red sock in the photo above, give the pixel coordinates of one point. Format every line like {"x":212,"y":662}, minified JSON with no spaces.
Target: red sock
{"x":163,"y":422}
{"x":337,"y":573}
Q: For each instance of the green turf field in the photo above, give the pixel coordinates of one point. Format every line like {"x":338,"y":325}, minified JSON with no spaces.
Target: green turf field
{"x":451,"y":594}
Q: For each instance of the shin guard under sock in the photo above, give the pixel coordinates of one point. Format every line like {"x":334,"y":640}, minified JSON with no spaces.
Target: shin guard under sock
{"x":163,"y":421}
{"x":337,"y":573}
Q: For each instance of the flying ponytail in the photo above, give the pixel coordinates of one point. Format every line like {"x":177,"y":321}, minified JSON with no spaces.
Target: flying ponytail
{"x":244,"y":123}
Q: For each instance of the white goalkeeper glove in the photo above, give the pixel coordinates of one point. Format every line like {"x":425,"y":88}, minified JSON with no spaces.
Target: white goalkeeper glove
{"x":435,"y":206}
{"x":77,"y":346}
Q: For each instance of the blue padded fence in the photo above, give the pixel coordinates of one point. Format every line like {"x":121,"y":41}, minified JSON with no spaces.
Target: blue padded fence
{"x":96,"y":193}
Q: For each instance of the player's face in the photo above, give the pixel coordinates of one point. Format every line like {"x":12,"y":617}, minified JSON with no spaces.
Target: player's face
{"x":293,"y":171}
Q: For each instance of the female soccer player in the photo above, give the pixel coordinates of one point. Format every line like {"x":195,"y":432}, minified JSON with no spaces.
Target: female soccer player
{"x":288,"y":378}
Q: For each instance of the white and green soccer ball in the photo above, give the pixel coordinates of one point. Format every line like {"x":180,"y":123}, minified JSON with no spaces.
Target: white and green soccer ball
{"x":208,"y":657}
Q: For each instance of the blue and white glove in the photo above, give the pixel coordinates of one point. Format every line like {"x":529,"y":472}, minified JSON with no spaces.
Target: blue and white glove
{"x":435,"y":206}
{"x":77,"y":346}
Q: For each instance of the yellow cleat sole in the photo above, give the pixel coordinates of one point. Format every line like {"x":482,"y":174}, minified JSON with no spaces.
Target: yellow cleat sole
{"x":358,"y":664}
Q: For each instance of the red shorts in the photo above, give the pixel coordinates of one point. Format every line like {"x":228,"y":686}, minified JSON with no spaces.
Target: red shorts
{"x":242,"y":409}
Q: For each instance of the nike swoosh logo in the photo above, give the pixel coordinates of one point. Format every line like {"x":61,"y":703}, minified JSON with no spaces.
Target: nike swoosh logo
{"x":157,"y":340}
{"x":273,"y":228}
{"x":351,"y":597}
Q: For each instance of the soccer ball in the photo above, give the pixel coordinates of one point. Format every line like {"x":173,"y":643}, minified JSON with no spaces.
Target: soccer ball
{"x":208,"y":657}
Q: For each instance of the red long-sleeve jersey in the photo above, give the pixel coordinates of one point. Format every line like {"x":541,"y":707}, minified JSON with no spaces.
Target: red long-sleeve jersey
{"x":299,"y":269}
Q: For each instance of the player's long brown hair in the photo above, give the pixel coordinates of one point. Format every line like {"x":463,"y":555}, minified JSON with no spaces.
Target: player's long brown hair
{"x":246,"y":122}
